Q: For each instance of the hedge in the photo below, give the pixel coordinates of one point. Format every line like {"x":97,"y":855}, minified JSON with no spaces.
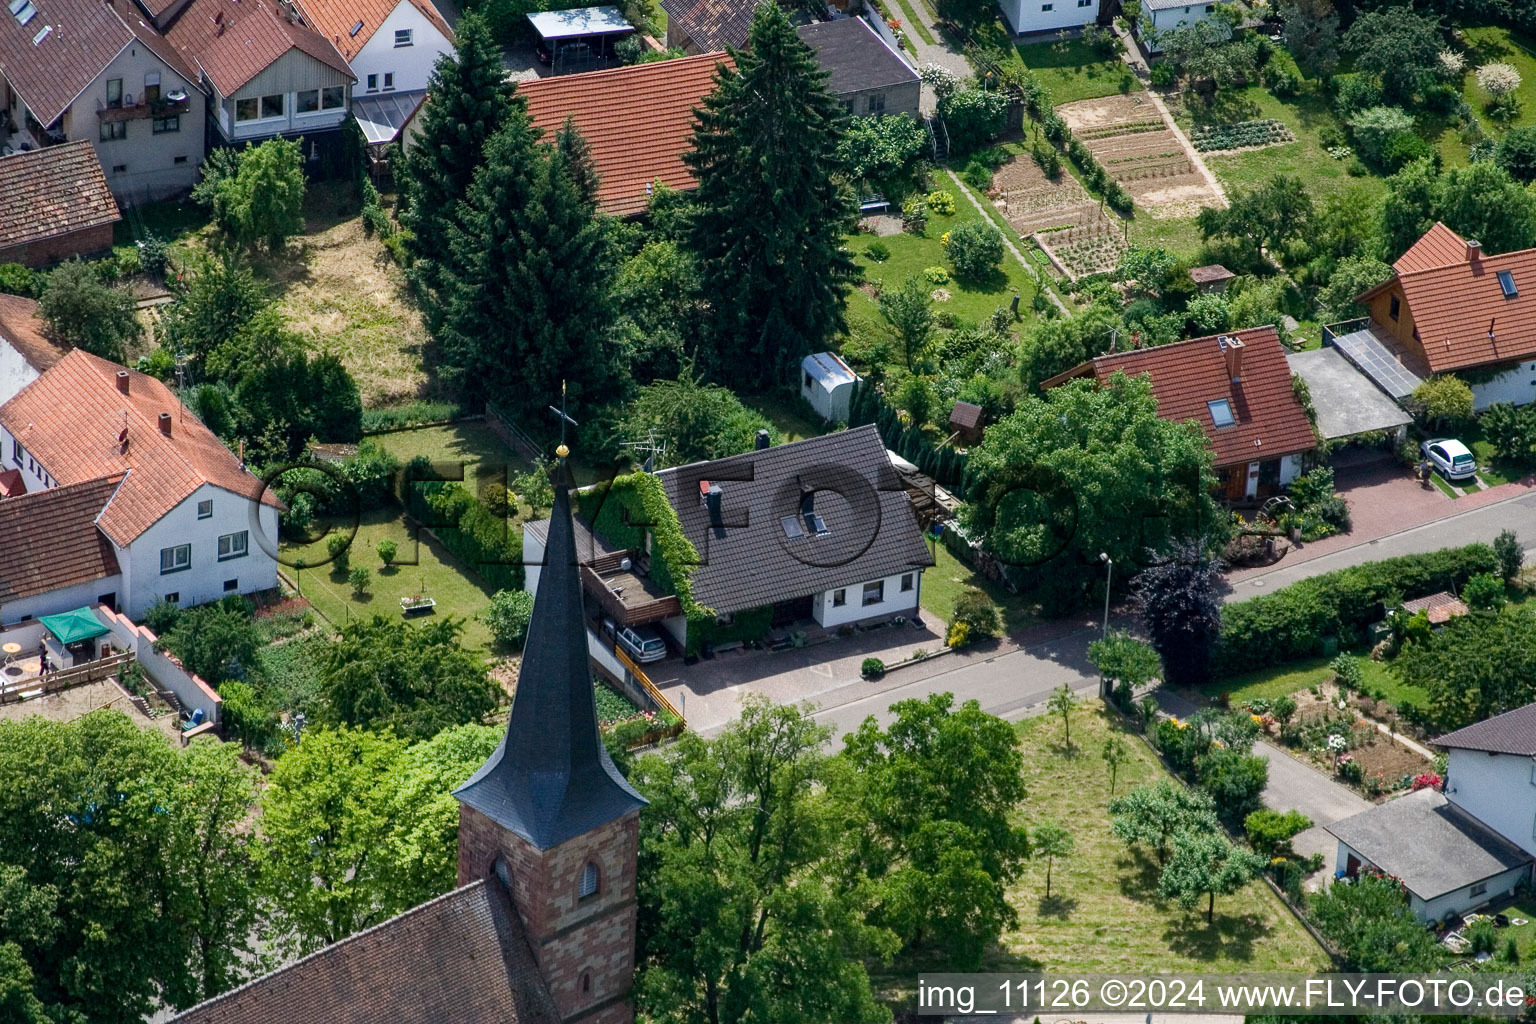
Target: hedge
{"x":1294,"y":621}
{"x":476,"y":536}
{"x":945,"y":465}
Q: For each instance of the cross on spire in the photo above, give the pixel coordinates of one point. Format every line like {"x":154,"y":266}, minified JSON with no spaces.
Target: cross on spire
{"x":565,"y":418}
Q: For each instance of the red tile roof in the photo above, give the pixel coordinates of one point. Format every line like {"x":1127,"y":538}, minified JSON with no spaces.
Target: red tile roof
{"x":50,"y":73}
{"x":335,"y":18}
{"x":52,"y":191}
{"x":51,"y":539}
{"x":1440,"y":608}
{"x":20,"y":326}
{"x":1270,"y":422}
{"x":233,"y":41}
{"x":1439,"y":246}
{"x":1461,"y":316}
{"x":638,"y":121}
{"x":463,"y":958}
{"x":710,"y":24}
{"x":70,"y":418}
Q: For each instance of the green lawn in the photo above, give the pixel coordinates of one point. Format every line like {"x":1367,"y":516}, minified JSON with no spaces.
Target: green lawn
{"x":792,"y":416}
{"x":422,"y":566}
{"x":1103,"y":914}
{"x":1073,"y":71}
{"x":468,"y":442}
{"x":1491,"y":44}
{"x":1285,"y":679}
{"x":949,"y":576}
{"x":1493,"y":468}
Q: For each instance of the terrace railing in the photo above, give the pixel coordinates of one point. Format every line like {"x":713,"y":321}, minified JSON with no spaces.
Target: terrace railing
{"x":65,"y":678}
{"x":1332,"y":331}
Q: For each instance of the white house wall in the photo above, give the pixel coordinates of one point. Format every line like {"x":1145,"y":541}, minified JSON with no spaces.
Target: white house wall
{"x":204,"y":580}
{"x":1517,"y":386}
{"x":896,"y":601}
{"x":411,"y":65}
{"x":1498,"y":790}
{"x":1173,"y":17}
{"x":15,"y":374}
{"x":67,"y":599}
{"x":1032,"y":16}
{"x":1461,"y":901}
{"x":33,"y":475}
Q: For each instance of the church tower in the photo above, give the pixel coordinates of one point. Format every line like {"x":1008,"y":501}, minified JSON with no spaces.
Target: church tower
{"x":550,"y":815}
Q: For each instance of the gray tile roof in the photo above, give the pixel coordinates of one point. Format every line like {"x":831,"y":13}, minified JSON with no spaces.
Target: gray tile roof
{"x":854,"y":57}
{"x":551,"y":778}
{"x":462,"y":958}
{"x":750,"y":561}
{"x":1429,"y":843}
{"x":1513,"y":732}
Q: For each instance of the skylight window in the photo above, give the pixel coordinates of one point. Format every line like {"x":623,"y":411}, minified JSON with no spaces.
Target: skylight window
{"x":24,"y":11}
{"x":42,"y":35}
{"x":791,"y":526}
{"x":356,"y":29}
{"x":1221,"y":412}
{"x":815,"y":525}
{"x":1507,"y":283}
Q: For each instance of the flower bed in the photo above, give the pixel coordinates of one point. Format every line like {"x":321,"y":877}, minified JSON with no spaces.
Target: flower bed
{"x":1242,"y":135}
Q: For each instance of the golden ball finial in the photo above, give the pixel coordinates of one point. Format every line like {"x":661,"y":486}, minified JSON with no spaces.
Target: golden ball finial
{"x":562,"y":451}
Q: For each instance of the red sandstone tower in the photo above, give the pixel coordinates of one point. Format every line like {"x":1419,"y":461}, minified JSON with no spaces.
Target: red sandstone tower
{"x":550,"y":815}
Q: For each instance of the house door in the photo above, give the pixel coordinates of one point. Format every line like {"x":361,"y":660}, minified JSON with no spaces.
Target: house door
{"x":787,"y":612}
{"x":1352,"y":866}
{"x":1235,"y":482}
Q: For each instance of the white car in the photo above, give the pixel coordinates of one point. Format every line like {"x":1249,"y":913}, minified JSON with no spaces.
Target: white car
{"x":1451,"y":458}
{"x":642,"y":643}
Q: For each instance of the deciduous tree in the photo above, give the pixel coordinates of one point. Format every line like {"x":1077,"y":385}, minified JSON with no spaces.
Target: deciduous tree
{"x":1372,"y":925}
{"x":693,"y":420}
{"x":1063,"y":702}
{"x":909,"y":312}
{"x":79,"y":311}
{"x":1475,"y":667}
{"x":1050,"y":841}
{"x":1206,"y":863}
{"x":264,"y":200}
{"x":1397,"y":44}
{"x":1180,"y":606}
{"x":1151,"y":815}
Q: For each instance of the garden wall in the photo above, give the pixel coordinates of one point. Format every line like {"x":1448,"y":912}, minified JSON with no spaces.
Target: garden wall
{"x":162,"y":669}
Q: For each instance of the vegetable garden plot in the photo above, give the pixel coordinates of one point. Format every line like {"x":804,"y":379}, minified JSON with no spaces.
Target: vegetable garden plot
{"x":1242,"y":135}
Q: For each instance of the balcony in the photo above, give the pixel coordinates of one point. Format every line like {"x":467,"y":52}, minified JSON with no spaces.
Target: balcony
{"x":625,"y":597}
{"x":144,"y":109}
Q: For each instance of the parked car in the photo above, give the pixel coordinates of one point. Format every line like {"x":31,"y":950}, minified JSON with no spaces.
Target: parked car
{"x":541,"y":51}
{"x":642,"y":643}
{"x":1450,"y":457}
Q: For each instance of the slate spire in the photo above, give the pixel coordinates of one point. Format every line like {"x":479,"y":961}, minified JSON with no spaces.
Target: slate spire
{"x":551,"y":779}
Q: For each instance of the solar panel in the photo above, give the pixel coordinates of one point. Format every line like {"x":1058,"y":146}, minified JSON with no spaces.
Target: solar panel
{"x":1373,"y":359}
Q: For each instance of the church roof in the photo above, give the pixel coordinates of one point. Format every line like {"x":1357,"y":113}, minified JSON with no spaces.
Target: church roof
{"x":551,"y":779}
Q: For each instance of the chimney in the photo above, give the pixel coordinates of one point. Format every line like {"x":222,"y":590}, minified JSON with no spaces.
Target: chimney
{"x":1232,"y":352}
{"x":713,"y":498}
{"x":165,"y":424}
{"x":763,"y":441}
{"x":122,"y":381}
{"x":1474,"y":250}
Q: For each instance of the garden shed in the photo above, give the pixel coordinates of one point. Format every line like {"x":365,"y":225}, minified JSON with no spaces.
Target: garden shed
{"x":827,"y":383}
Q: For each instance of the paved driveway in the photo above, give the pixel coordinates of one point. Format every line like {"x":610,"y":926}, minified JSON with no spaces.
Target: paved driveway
{"x":1294,"y":786}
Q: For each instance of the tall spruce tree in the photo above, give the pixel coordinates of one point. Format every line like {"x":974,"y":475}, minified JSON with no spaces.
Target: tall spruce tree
{"x":770,"y":218}
{"x":531,"y":274}
{"x":471,"y":99}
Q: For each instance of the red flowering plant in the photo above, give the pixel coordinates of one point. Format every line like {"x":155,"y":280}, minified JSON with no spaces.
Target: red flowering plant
{"x":1427,"y":780}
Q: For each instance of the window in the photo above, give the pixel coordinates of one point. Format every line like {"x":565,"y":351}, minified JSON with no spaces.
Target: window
{"x":179,"y":160}
{"x":403,"y":37}
{"x":1507,"y":284}
{"x":874,"y":592}
{"x":205,"y":509}
{"x":389,"y":79}
{"x":1395,"y":307}
{"x":1479,"y":889}
{"x":114,"y":93}
{"x":1210,"y":8}
{"x":152,"y":87}
{"x":174,"y":597}
{"x":119,"y":168}
{"x":307,"y":101}
{"x":1221,"y":412}
{"x":1047,"y":7}
{"x":588,"y":881}
{"x":333,"y":98}
{"x":373,"y":83}
{"x":161,"y":125}
{"x":112,"y":130}
{"x":839,"y":598}
{"x":230,"y":586}
{"x":175,"y":559}
{"x":809,"y":382}
{"x":906,"y":582}
{"x":273,"y":106}
{"x":17,"y":451}
{"x":247,"y":109}
{"x":877,"y":104}
{"x":234,"y":545}
{"x":1085,"y":3}
{"x":586,"y":981}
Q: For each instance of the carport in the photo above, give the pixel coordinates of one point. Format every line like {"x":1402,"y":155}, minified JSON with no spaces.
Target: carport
{"x":1347,"y":402}
{"x":581,"y":39}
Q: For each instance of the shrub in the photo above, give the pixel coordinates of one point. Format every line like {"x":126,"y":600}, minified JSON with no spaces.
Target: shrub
{"x":1480,"y":934}
{"x":161,"y":617}
{"x":387,"y":551}
{"x":936,"y":275}
{"x":1484,"y":592}
{"x":1510,"y":429}
{"x":1350,"y":770}
{"x":978,"y":613}
{"x":878,"y":252}
{"x":1048,"y":160}
{"x":1426,"y":780}
{"x":338,"y":545}
{"x":942,"y":202}
{"x":977,"y":175}
{"x":1347,"y":673}
{"x":1375,"y":128}
{"x":1292,"y":622}
{"x":508,"y":616}
{"x":16,"y":279}
{"x":973,"y":118}
{"x":359,"y":578}
{"x":154,"y":255}
{"x":873,"y":668}
{"x":1163,"y":75}
{"x":1353,"y":93}
{"x":1510,"y":555}
{"x":914,"y":215}
{"x":975,"y":250}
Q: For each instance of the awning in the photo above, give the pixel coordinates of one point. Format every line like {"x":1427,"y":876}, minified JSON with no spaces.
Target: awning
{"x":72,"y":627}
{"x":381,"y":115}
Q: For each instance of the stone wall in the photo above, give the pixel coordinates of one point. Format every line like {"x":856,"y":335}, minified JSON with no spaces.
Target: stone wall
{"x":45,"y":251}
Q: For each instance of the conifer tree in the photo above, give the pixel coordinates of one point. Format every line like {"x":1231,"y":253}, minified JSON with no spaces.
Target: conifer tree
{"x":770,"y":219}
{"x":470,"y":100}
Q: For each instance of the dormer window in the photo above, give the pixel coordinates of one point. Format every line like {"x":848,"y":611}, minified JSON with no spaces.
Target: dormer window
{"x":1221,"y":412}
{"x":1507,"y":284}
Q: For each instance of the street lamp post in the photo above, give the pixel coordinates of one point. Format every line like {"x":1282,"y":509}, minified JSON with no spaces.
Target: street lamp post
{"x":1109,"y":577}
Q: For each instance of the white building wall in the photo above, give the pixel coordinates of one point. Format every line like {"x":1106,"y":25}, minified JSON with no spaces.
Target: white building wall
{"x":1048,"y":15}
{"x":1498,"y":790}
{"x":67,"y":599}
{"x":1462,"y":900}
{"x":1516,"y":386}
{"x":33,"y":474}
{"x":15,"y":373}
{"x":896,"y":601}
{"x":411,"y":65}
{"x":203,"y":580}
{"x":1173,"y":17}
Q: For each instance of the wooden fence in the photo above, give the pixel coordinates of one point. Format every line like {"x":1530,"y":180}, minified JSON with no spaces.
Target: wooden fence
{"x":655,"y":735}
{"x":63,"y":679}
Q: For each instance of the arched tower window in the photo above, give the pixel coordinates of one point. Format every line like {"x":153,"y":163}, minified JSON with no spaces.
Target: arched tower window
{"x":589,"y":880}
{"x":586,"y":982}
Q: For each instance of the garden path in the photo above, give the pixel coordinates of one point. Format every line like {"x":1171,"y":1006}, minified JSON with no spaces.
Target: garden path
{"x":1060,"y":306}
